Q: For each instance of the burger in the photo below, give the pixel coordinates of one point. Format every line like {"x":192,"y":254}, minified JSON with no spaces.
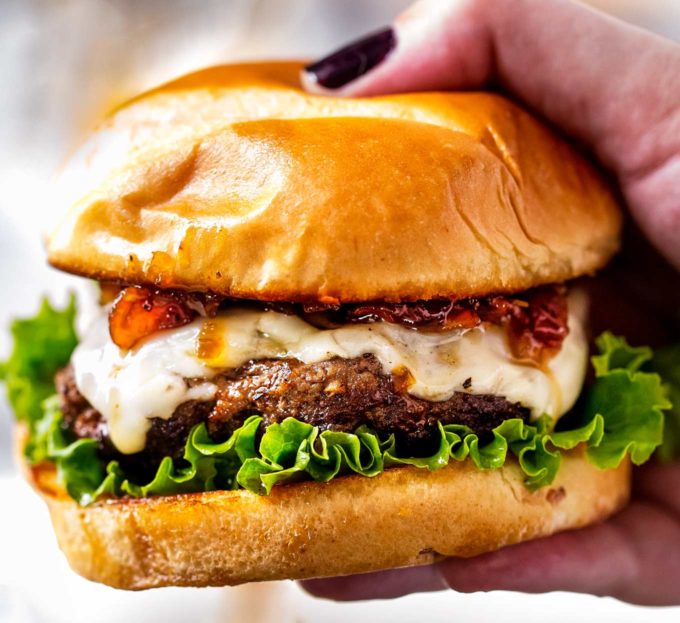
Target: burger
{"x":333,"y":336}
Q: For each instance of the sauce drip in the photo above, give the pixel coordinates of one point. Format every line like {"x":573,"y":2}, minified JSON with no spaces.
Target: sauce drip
{"x":210,"y":340}
{"x":403,"y":379}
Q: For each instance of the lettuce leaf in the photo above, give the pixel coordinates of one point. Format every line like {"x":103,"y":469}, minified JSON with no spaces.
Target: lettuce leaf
{"x":42,"y":345}
{"x":79,"y":467}
{"x":623,"y":415}
{"x":628,"y":401}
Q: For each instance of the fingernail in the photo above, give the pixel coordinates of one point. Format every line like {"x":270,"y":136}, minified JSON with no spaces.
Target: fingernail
{"x":352,"y":61}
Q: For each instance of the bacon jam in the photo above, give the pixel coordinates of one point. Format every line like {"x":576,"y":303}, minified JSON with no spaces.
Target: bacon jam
{"x":138,"y":312}
{"x":536,"y":320}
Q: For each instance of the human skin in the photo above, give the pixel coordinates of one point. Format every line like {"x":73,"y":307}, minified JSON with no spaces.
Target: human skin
{"x":615,"y":89}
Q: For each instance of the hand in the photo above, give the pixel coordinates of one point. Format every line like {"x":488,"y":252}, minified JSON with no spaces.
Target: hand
{"x":615,"y":89}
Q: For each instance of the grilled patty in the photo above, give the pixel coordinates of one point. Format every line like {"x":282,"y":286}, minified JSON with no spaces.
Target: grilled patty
{"x":338,"y":394}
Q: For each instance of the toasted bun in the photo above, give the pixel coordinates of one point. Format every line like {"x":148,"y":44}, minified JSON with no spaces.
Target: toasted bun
{"x":233,"y":180}
{"x":406,"y":516}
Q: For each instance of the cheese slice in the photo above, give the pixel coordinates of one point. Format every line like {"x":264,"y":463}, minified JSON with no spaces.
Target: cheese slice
{"x":131,"y":387}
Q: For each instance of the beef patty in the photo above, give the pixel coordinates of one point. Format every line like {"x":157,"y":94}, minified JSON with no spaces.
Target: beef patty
{"x":338,"y":394}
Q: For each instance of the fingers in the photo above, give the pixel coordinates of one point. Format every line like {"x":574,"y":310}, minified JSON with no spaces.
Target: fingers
{"x":596,"y":560}
{"x":382,"y":585}
{"x":632,"y":557}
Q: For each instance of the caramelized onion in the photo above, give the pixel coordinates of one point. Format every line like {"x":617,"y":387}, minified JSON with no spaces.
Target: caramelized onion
{"x":435,"y":314}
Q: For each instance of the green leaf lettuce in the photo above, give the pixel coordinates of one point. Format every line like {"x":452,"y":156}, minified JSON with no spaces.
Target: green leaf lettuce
{"x":42,"y":345}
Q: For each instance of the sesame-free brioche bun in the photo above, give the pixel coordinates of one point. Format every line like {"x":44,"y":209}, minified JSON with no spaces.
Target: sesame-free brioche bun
{"x":234,"y":180}
{"x":353,"y":524}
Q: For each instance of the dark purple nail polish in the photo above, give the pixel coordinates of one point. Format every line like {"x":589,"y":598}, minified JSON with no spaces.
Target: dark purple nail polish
{"x":352,"y":61}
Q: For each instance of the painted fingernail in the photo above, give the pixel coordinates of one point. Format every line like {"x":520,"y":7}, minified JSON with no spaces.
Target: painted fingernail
{"x":352,"y":61}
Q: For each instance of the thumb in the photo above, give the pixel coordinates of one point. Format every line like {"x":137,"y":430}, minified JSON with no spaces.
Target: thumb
{"x":434,"y":45}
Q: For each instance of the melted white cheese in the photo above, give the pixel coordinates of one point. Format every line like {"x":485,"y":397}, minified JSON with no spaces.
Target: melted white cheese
{"x":130,"y":387}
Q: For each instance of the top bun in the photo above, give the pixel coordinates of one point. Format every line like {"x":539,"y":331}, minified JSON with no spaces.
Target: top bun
{"x":234,"y":180}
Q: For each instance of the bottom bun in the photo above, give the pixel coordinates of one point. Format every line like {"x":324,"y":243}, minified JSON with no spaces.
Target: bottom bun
{"x":406,"y":516}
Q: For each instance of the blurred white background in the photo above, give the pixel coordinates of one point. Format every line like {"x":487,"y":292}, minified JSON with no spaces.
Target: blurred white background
{"x":63,"y":63}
